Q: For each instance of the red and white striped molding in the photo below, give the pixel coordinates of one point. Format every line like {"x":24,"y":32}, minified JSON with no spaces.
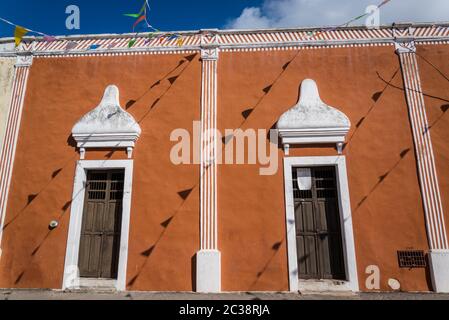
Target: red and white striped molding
{"x":230,"y":40}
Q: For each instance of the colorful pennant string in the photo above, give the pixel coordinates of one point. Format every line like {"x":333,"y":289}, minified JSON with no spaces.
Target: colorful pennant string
{"x":20,"y":32}
{"x":142,"y":16}
{"x":313,"y":34}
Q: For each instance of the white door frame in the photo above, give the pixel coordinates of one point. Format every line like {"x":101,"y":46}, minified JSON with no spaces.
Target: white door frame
{"x":72,"y":279}
{"x":351,"y":283}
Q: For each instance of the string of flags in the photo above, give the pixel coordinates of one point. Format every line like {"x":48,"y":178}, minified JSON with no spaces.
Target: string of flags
{"x":140,"y":17}
{"x":20,"y":32}
{"x":155,"y":34}
{"x":313,"y":34}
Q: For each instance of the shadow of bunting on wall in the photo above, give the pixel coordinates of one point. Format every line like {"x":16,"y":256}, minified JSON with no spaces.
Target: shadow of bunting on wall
{"x":246,"y":113}
{"x":171,"y":81}
{"x":382,"y":178}
{"x":165,"y":224}
{"x":275,"y":248}
{"x":443,"y":109}
{"x":375,"y":97}
{"x":188,"y":58}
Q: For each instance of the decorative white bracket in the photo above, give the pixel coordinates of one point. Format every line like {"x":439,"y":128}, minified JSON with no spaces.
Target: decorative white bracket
{"x":311,"y":121}
{"x":107,"y":126}
{"x":405,"y":45}
{"x":209,"y":44}
{"x":24,"y":60}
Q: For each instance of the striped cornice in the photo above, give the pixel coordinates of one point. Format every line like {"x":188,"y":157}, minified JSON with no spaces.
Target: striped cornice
{"x":231,"y":40}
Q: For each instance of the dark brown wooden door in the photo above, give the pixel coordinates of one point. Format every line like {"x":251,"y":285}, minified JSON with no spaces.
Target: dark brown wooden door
{"x":100,"y":230}
{"x":318,"y":232}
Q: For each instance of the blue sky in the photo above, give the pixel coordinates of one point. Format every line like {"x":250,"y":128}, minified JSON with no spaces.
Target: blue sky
{"x":106,"y":16}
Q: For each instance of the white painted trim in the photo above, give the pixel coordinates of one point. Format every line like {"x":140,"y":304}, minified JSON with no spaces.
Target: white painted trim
{"x":71,"y":273}
{"x":107,"y":126}
{"x":312,"y":121}
{"x":346,"y":224}
{"x":439,"y":269}
{"x":208,"y":271}
{"x":208,"y":266}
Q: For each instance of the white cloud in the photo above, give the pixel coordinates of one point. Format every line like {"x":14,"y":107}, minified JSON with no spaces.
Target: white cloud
{"x":311,"y":13}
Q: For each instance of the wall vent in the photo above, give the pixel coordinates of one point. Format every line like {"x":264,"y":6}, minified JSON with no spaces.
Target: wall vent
{"x":411,"y":259}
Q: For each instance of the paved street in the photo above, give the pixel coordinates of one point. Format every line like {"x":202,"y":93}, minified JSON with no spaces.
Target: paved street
{"x":60,"y":295}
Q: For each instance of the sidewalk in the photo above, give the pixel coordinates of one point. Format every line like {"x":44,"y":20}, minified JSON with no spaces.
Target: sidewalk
{"x":79,"y":295}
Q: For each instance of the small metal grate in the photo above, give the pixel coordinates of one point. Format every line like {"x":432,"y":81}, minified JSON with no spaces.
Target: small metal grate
{"x":324,"y":182}
{"x":103,"y":183}
{"x":411,"y":259}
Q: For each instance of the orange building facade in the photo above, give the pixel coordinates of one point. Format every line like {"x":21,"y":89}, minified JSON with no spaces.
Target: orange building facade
{"x":259,"y":160}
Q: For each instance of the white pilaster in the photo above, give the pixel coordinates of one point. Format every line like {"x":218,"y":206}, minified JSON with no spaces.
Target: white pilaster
{"x":208,"y":258}
{"x":435,"y":225}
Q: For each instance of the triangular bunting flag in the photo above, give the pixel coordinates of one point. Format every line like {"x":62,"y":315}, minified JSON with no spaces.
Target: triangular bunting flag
{"x":19,"y":33}
{"x":49,"y":38}
{"x":71,"y":45}
{"x":113,"y":44}
{"x":132,"y":15}
{"x":141,"y":18}
{"x":180,"y":42}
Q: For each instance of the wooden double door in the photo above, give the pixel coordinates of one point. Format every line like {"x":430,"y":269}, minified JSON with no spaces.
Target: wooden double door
{"x":318,"y":226}
{"x":101,"y":225}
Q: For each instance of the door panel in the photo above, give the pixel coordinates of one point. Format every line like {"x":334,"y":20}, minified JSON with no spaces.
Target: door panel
{"x":318,"y":232}
{"x":100,"y":231}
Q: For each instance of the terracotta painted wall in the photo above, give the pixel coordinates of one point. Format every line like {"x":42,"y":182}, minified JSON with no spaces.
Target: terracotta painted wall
{"x":60,"y":92}
{"x":385,"y":196}
{"x":6,"y":79}
{"x":365,"y":83}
